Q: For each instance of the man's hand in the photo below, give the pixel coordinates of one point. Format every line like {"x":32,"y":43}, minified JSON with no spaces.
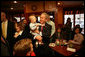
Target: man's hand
{"x":2,"y":40}
{"x":39,"y":38}
{"x":70,"y":41}
{"x":50,"y":36}
{"x":16,"y":35}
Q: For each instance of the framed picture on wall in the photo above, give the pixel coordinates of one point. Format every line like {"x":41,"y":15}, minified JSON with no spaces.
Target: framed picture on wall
{"x":34,"y":7}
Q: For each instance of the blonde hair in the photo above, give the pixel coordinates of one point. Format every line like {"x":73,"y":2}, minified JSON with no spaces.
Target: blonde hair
{"x":46,"y":15}
{"x":31,"y":17}
{"x":22,"y":47}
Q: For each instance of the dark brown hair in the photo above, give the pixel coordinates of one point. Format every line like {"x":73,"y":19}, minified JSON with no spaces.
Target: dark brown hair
{"x":20,"y":24}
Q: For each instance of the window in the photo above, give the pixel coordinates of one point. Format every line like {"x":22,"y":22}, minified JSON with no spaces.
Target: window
{"x":69,"y":16}
{"x":51,"y":18}
{"x":79,"y":19}
{"x":76,"y":15}
{"x":18,"y":18}
{"x":22,"y":18}
{"x":38,"y":18}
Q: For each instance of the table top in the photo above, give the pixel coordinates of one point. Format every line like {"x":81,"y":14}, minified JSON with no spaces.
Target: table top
{"x":63,"y":50}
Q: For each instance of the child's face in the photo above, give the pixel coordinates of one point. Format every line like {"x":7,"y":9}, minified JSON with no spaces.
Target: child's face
{"x":59,"y":30}
{"x":33,"y":20}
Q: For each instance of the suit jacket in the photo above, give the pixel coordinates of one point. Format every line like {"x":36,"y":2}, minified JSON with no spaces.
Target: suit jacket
{"x":27,"y":28}
{"x":4,"y":50}
{"x":10,"y":31}
{"x":24,"y":35}
{"x":46,"y":32}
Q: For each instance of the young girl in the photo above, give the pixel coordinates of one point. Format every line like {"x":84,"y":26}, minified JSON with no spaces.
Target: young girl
{"x":59,"y":34}
{"x":23,"y":47}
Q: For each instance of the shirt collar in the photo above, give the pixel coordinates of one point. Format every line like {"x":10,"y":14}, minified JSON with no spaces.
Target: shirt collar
{"x":20,"y":33}
{"x":5,"y":21}
{"x":42,"y":24}
{"x":49,"y":21}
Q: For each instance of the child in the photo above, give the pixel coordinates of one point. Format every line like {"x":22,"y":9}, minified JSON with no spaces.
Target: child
{"x":34,"y":26}
{"x":23,"y":47}
{"x":59,"y":34}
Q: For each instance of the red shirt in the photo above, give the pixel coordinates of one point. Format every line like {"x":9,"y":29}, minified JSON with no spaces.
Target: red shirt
{"x":32,"y":54}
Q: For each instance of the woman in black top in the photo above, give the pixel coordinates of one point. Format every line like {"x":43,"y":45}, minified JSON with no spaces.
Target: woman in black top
{"x":21,"y":33}
{"x":68,"y":26}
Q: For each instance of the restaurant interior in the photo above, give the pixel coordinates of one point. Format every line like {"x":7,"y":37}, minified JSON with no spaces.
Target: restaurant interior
{"x":59,"y":12}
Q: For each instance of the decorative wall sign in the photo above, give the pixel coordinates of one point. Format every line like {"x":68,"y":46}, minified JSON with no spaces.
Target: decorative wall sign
{"x":34,"y":7}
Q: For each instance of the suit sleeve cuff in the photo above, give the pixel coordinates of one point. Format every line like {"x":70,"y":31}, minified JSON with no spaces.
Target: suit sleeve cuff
{"x":34,"y":37}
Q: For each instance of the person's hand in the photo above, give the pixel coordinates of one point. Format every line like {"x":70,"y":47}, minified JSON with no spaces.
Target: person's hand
{"x":70,"y":41}
{"x":37,"y":25}
{"x":13,"y":53}
{"x":16,"y":35}
{"x":37,"y":31}
{"x":2,"y":40}
{"x":39,"y":38}
{"x":50,"y":36}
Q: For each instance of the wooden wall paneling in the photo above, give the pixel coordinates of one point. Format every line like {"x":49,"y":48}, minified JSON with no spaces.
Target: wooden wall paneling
{"x":38,"y":6}
{"x":50,"y":5}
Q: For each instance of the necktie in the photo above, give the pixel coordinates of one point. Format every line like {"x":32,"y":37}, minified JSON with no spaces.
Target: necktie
{"x":3,"y":30}
{"x":41,"y":28}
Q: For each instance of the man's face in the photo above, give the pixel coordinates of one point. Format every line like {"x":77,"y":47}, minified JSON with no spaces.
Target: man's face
{"x":42,"y":19}
{"x":3,"y":16}
{"x":48,"y":19}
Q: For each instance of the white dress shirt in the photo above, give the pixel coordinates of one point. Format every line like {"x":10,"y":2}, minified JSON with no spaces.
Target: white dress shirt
{"x":17,"y":34}
{"x":53,"y":27}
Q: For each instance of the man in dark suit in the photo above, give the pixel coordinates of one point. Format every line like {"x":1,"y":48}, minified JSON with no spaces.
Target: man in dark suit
{"x":45,"y":32}
{"x":45,"y":29}
{"x":7,"y":29}
{"x":4,"y":47}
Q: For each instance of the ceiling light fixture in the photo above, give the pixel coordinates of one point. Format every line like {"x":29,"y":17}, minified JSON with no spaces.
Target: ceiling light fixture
{"x":59,"y":3}
{"x":15,"y":1}
{"x":83,"y":4}
{"x":12,"y":8}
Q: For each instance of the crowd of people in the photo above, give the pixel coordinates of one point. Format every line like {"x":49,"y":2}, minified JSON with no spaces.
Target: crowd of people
{"x":21,"y":38}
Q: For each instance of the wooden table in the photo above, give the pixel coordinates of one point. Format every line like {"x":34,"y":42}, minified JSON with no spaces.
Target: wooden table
{"x":63,"y":50}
